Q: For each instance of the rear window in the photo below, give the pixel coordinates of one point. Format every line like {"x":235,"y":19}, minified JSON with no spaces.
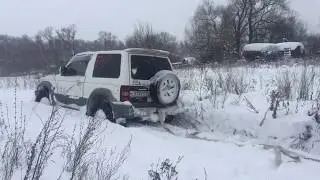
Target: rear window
{"x":145,"y":67}
{"x":107,"y":66}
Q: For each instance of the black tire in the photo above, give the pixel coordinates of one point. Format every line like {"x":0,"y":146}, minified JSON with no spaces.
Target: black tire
{"x":96,"y":102}
{"x":44,"y":92}
{"x":107,"y":109}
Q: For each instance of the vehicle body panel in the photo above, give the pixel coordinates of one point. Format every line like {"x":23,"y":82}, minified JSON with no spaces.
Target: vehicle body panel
{"x":75,"y":90}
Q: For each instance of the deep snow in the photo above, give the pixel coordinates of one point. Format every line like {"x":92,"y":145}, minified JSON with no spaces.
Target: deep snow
{"x":228,"y":120}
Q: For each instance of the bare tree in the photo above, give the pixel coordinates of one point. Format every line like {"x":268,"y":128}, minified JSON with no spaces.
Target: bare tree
{"x":205,"y":32}
{"x":260,"y":15}
{"x":239,"y":10}
{"x":67,"y":37}
{"x":286,"y":26}
{"x":109,"y":41}
{"x":145,"y":37}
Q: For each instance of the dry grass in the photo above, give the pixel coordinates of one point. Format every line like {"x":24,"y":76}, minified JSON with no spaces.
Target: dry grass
{"x":47,"y":141}
{"x":12,"y":131}
{"x":22,"y":82}
{"x":166,"y":170}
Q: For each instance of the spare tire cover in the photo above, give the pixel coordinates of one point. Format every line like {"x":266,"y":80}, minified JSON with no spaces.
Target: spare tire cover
{"x":165,"y":87}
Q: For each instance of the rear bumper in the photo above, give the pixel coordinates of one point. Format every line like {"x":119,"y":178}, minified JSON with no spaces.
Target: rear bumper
{"x":129,"y":111}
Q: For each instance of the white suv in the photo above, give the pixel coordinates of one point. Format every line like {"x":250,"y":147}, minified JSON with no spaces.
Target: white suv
{"x":124,"y":84}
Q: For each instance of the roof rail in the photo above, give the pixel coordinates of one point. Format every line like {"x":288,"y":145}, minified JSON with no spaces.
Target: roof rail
{"x":147,"y":51}
{"x":84,"y":53}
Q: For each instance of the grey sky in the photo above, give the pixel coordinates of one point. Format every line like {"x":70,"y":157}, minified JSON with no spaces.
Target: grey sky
{"x":19,"y":17}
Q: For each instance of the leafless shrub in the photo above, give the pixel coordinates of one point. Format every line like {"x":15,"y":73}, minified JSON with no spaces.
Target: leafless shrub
{"x":302,"y":140}
{"x":202,"y":86}
{"x":46,"y":143}
{"x":213,"y":90}
{"x":214,"y":93}
{"x":82,"y":162}
{"x":238,"y":83}
{"x":284,"y":85}
{"x":210,"y":85}
{"x":166,"y":170}
{"x":264,"y":118}
{"x":315,"y":111}
{"x":311,"y":135}
{"x":274,"y":103}
{"x":205,"y":174}
{"x":22,"y":82}
{"x":76,"y":150}
{"x":250,"y":105}
{"x":224,"y":98}
{"x":9,"y":83}
{"x":83,"y":171}
{"x":277,"y":103}
{"x":14,"y":146}
{"x":306,"y":84}
{"x":107,"y":167}
{"x":16,"y":152}
{"x":233,"y":82}
{"x":243,"y":133}
{"x":220,"y":81}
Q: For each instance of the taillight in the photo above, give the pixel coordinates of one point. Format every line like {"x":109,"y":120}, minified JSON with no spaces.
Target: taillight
{"x":124,"y":93}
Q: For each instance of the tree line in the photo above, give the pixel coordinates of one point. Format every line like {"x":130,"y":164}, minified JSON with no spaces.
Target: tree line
{"x":215,"y":33}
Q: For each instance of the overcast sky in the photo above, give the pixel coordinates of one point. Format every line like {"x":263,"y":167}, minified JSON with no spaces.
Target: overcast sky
{"x":19,"y":17}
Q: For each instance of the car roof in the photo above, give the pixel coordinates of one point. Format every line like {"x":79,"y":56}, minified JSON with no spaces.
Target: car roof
{"x":142,"y":51}
{"x":147,"y":51}
{"x":85,"y":53}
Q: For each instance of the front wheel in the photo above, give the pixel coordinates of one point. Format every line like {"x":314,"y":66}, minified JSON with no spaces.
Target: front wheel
{"x":44,"y":92}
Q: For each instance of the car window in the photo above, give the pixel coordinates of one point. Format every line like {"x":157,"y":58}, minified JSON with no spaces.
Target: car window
{"x":144,"y":67}
{"x":77,"y":65}
{"x":107,"y":66}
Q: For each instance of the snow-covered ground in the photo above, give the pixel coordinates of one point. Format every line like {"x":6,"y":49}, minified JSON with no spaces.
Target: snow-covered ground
{"x":219,"y":135}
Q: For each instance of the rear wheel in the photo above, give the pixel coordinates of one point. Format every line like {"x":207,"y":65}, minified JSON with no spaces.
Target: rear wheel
{"x":44,"y":92}
{"x":99,"y":102}
{"x":107,"y":109}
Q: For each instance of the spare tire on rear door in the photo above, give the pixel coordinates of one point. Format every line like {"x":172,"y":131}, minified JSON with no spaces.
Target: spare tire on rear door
{"x":165,"y":87}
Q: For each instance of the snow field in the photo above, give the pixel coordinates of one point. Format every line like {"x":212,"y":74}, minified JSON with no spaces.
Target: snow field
{"x":216,"y":110}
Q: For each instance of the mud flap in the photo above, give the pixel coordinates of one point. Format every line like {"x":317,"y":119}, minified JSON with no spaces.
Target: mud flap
{"x":162,"y":117}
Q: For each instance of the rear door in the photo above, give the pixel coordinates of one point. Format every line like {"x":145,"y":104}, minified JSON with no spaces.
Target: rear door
{"x":142,"y":69}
